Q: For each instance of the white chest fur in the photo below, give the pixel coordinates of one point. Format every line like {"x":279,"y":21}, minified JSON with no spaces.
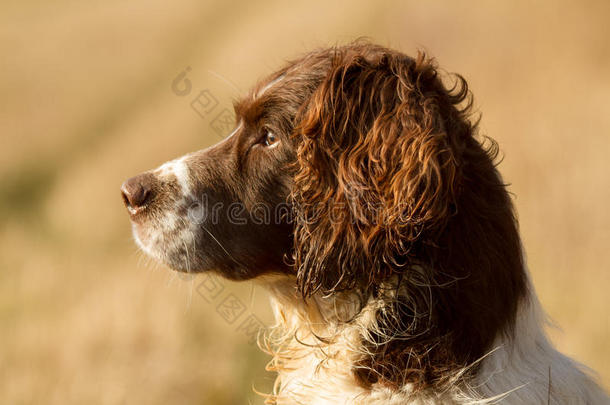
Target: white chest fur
{"x":314,"y":352}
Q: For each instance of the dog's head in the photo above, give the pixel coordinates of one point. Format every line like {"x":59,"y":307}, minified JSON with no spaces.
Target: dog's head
{"x":348,"y":166}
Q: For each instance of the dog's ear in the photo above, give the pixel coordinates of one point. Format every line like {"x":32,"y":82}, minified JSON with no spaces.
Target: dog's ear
{"x":377,"y":173}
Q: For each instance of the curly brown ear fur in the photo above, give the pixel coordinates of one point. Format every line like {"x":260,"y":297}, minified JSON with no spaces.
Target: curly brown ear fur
{"x":377,"y":169}
{"x":392,"y":188}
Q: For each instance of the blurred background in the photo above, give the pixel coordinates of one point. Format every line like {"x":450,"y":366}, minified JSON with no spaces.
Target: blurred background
{"x":86,"y":100}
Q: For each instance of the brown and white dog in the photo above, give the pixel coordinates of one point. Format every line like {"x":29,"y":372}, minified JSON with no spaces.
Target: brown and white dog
{"x":355,"y":188}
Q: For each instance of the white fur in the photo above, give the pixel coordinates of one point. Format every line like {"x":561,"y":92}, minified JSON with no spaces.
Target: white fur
{"x":161,"y":238}
{"x":515,"y":371}
{"x":532,"y":370}
{"x":180,"y":170}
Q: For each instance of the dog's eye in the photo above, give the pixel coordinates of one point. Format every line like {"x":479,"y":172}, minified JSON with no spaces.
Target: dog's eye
{"x":270,"y":139}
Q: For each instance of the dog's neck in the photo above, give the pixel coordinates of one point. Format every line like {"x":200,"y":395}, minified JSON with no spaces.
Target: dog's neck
{"x":317,"y":349}
{"x":317,"y":346}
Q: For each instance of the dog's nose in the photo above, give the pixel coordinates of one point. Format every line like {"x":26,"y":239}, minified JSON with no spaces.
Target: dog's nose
{"x":137,"y":192}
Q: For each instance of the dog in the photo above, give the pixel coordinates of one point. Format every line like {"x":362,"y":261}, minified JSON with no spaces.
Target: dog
{"x":356,"y":189}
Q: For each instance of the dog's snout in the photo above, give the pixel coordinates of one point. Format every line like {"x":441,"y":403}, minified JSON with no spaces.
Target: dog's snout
{"x":137,"y":192}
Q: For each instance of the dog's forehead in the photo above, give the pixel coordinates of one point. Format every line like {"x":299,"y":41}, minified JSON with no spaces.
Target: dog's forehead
{"x":291,"y":85}
{"x":266,"y":85}
{"x":252,"y":106}
{"x":284,"y":90}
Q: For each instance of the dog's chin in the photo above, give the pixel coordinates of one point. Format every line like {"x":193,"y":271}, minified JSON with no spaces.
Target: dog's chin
{"x":177,"y":255}
{"x":177,"y":261}
{"x":179,"y":264}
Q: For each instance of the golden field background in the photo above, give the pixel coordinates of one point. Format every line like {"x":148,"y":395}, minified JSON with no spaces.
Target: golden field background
{"x":86,"y":101}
